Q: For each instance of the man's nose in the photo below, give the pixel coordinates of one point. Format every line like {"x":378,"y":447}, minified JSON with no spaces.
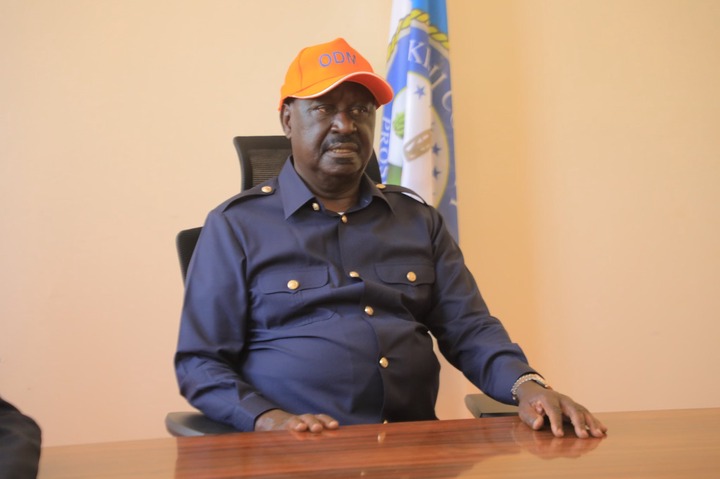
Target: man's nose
{"x":343,"y":122}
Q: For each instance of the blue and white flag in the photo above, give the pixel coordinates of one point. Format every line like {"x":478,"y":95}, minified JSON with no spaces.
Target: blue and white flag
{"x":416,"y":142}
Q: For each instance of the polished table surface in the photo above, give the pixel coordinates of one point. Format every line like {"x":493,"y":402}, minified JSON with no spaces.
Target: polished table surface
{"x":648,"y":444}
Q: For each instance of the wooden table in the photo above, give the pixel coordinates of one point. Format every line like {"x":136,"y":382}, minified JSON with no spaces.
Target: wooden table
{"x":650,"y":444}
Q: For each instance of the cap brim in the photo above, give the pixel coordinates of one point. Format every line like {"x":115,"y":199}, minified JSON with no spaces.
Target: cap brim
{"x":380,"y":89}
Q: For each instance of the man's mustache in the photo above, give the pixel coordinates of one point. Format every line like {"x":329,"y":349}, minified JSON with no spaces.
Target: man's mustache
{"x":342,"y":140}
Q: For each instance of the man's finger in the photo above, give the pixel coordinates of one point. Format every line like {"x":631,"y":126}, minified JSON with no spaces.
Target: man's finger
{"x":555,"y":417}
{"x":532,"y":415}
{"x":595,"y":427}
{"x":327,"y":421}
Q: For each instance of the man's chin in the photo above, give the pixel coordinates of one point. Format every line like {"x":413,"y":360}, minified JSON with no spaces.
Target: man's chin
{"x":343,"y":165}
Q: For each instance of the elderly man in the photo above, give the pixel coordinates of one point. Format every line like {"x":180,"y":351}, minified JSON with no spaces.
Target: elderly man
{"x":311,"y":299}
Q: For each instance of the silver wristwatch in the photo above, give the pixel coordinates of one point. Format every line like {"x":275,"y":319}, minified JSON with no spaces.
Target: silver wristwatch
{"x":525,"y":378}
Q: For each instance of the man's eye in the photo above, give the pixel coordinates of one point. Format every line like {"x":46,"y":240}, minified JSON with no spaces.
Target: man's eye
{"x":360,"y":110}
{"x":323,"y":109}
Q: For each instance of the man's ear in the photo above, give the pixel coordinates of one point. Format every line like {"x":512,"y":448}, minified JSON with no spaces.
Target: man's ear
{"x":285,"y":119}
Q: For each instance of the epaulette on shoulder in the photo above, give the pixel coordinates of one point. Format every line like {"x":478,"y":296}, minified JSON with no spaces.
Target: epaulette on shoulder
{"x":387,"y":188}
{"x":258,"y":191}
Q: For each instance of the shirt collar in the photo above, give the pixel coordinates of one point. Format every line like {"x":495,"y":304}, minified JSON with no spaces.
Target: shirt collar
{"x":295,"y":194}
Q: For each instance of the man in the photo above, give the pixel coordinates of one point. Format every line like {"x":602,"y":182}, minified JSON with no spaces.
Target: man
{"x":19,"y":443}
{"x":310,"y":300}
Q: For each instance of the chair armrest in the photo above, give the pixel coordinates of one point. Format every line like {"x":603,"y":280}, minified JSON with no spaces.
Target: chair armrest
{"x":481,"y":405}
{"x":194,"y":424}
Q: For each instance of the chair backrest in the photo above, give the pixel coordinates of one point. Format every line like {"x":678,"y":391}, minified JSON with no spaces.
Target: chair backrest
{"x":261,"y":158}
{"x":185,"y":242}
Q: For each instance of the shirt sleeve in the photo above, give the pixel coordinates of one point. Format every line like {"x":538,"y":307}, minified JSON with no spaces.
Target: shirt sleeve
{"x":468,"y":336}
{"x":20,"y":439}
{"x":213,"y":330}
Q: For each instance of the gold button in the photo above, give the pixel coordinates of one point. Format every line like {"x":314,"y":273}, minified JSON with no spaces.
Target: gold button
{"x":384,"y":362}
{"x":369,"y":311}
{"x":354,"y":274}
{"x":385,"y":421}
{"x":316,"y":207}
{"x":267,"y":189}
{"x":343,"y":218}
{"x":380,"y":186}
{"x":293,"y":284}
{"x":411,"y":276}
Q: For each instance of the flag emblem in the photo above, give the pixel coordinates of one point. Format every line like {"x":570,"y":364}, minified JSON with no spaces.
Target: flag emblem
{"x":416,"y":142}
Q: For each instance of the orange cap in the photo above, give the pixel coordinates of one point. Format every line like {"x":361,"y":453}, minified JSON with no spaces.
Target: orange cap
{"x":318,"y":69}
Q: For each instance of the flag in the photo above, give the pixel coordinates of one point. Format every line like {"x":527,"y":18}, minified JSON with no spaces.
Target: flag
{"x":416,"y":142}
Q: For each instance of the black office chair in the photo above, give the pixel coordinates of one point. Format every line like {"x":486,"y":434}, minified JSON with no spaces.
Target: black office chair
{"x":185,"y":242}
{"x":261,"y":158}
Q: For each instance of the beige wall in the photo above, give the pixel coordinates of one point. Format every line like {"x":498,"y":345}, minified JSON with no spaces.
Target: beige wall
{"x":589,"y":145}
{"x":587,"y":148}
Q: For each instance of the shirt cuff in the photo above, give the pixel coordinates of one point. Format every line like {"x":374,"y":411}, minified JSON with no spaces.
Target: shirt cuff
{"x":248,"y":411}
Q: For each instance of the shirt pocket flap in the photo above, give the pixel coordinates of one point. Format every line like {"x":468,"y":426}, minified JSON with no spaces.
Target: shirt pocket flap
{"x":293,"y":281}
{"x":411,"y":274}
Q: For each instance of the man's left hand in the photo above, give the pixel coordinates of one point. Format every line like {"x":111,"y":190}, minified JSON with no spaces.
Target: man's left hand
{"x":537,"y":403}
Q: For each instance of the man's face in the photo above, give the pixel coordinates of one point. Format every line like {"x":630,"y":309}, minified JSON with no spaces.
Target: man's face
{"x":331,"y":135}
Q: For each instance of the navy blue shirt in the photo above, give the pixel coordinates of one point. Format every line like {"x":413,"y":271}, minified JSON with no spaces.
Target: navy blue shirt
{"x":291,"y":306}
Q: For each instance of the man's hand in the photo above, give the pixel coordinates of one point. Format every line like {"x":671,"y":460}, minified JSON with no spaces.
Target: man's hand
{"x":536,"y":402}
{"x":277,"y":419}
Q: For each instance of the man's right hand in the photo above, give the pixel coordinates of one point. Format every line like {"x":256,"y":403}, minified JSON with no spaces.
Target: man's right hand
{"x":277,"y":419}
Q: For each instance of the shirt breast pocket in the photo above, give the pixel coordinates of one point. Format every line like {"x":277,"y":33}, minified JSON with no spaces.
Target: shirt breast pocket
{"x":414,"y":281}
{"x":290,"y":298}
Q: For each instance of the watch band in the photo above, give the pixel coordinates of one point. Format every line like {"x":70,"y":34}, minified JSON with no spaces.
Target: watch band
{"x":525,"y":378}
